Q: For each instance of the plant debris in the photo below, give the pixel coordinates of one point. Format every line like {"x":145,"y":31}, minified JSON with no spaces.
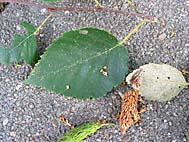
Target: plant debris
{"x":66,"y":123}
{"x":81,"y":132}
{"x":129,"y":112}
{"x":157,"y":82}
{"x":184,"y":72}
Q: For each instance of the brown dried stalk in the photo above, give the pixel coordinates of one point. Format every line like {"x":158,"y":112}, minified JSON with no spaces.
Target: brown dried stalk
{"x":93,"y":9}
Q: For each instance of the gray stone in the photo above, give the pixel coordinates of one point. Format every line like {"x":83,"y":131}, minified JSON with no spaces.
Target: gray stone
{"x":5,"y":121}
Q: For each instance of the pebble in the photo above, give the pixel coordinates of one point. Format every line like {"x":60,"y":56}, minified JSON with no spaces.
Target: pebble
{"x":13,"y":133}
{"x":5,"y":122}
{"x":110,"y":110}
{"x":31,"y":105}
{"x":18,"y":87}
{"x":150,"y":107}
{"x":43,"y":10}
{"x":18,"y":27}
{"x":162,"y":36}
{"x":165,"y":121}
{"x":67,"y":12}
{"x":187,"y":3}
{"x":170,"y":123}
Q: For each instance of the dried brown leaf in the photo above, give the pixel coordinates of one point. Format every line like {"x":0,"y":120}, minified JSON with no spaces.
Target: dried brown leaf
{"x":129,"y":113}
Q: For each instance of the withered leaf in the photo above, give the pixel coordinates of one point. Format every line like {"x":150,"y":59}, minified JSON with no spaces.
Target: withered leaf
{"x":129,"y":113}
{"x":157,"y":82}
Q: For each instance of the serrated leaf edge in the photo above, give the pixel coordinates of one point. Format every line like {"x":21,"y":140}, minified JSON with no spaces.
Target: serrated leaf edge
{"x":90,"y":58}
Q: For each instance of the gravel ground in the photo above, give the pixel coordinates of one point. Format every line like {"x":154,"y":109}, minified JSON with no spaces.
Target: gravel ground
{"x":30,"y":114}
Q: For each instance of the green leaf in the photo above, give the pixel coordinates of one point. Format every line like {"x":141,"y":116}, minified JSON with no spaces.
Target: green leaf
{"x":81,"y":132}
{"x":158,"y":82}
{"x":22,"y":47}
{"x":74,"y":64}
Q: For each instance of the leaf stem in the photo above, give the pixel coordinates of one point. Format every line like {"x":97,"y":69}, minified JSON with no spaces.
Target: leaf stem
{"x":41,"y":25}
{"x":93,"y":9}
{"x":30,"y":35}
{"x":133,"y":31}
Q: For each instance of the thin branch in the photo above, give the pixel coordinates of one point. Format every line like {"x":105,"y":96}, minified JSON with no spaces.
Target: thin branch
{"x":93,"y":9}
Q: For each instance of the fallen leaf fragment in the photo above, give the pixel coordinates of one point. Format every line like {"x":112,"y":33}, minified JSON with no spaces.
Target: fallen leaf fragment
{"x":129,"y":113}
{"x":81,"y":132}
{"x":66,"y":123}
{"x":157,"y":82}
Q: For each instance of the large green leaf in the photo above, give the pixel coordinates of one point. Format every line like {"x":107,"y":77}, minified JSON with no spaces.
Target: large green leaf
{"x":72,"y":64}
{"x":81,"y":132}
{"x":22,"y":47}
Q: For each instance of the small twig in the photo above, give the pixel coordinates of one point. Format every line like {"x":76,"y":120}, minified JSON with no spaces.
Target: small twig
{"x":93,"y":9}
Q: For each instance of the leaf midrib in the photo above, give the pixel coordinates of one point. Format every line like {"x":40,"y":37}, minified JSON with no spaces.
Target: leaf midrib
{"x":81,"y":62}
